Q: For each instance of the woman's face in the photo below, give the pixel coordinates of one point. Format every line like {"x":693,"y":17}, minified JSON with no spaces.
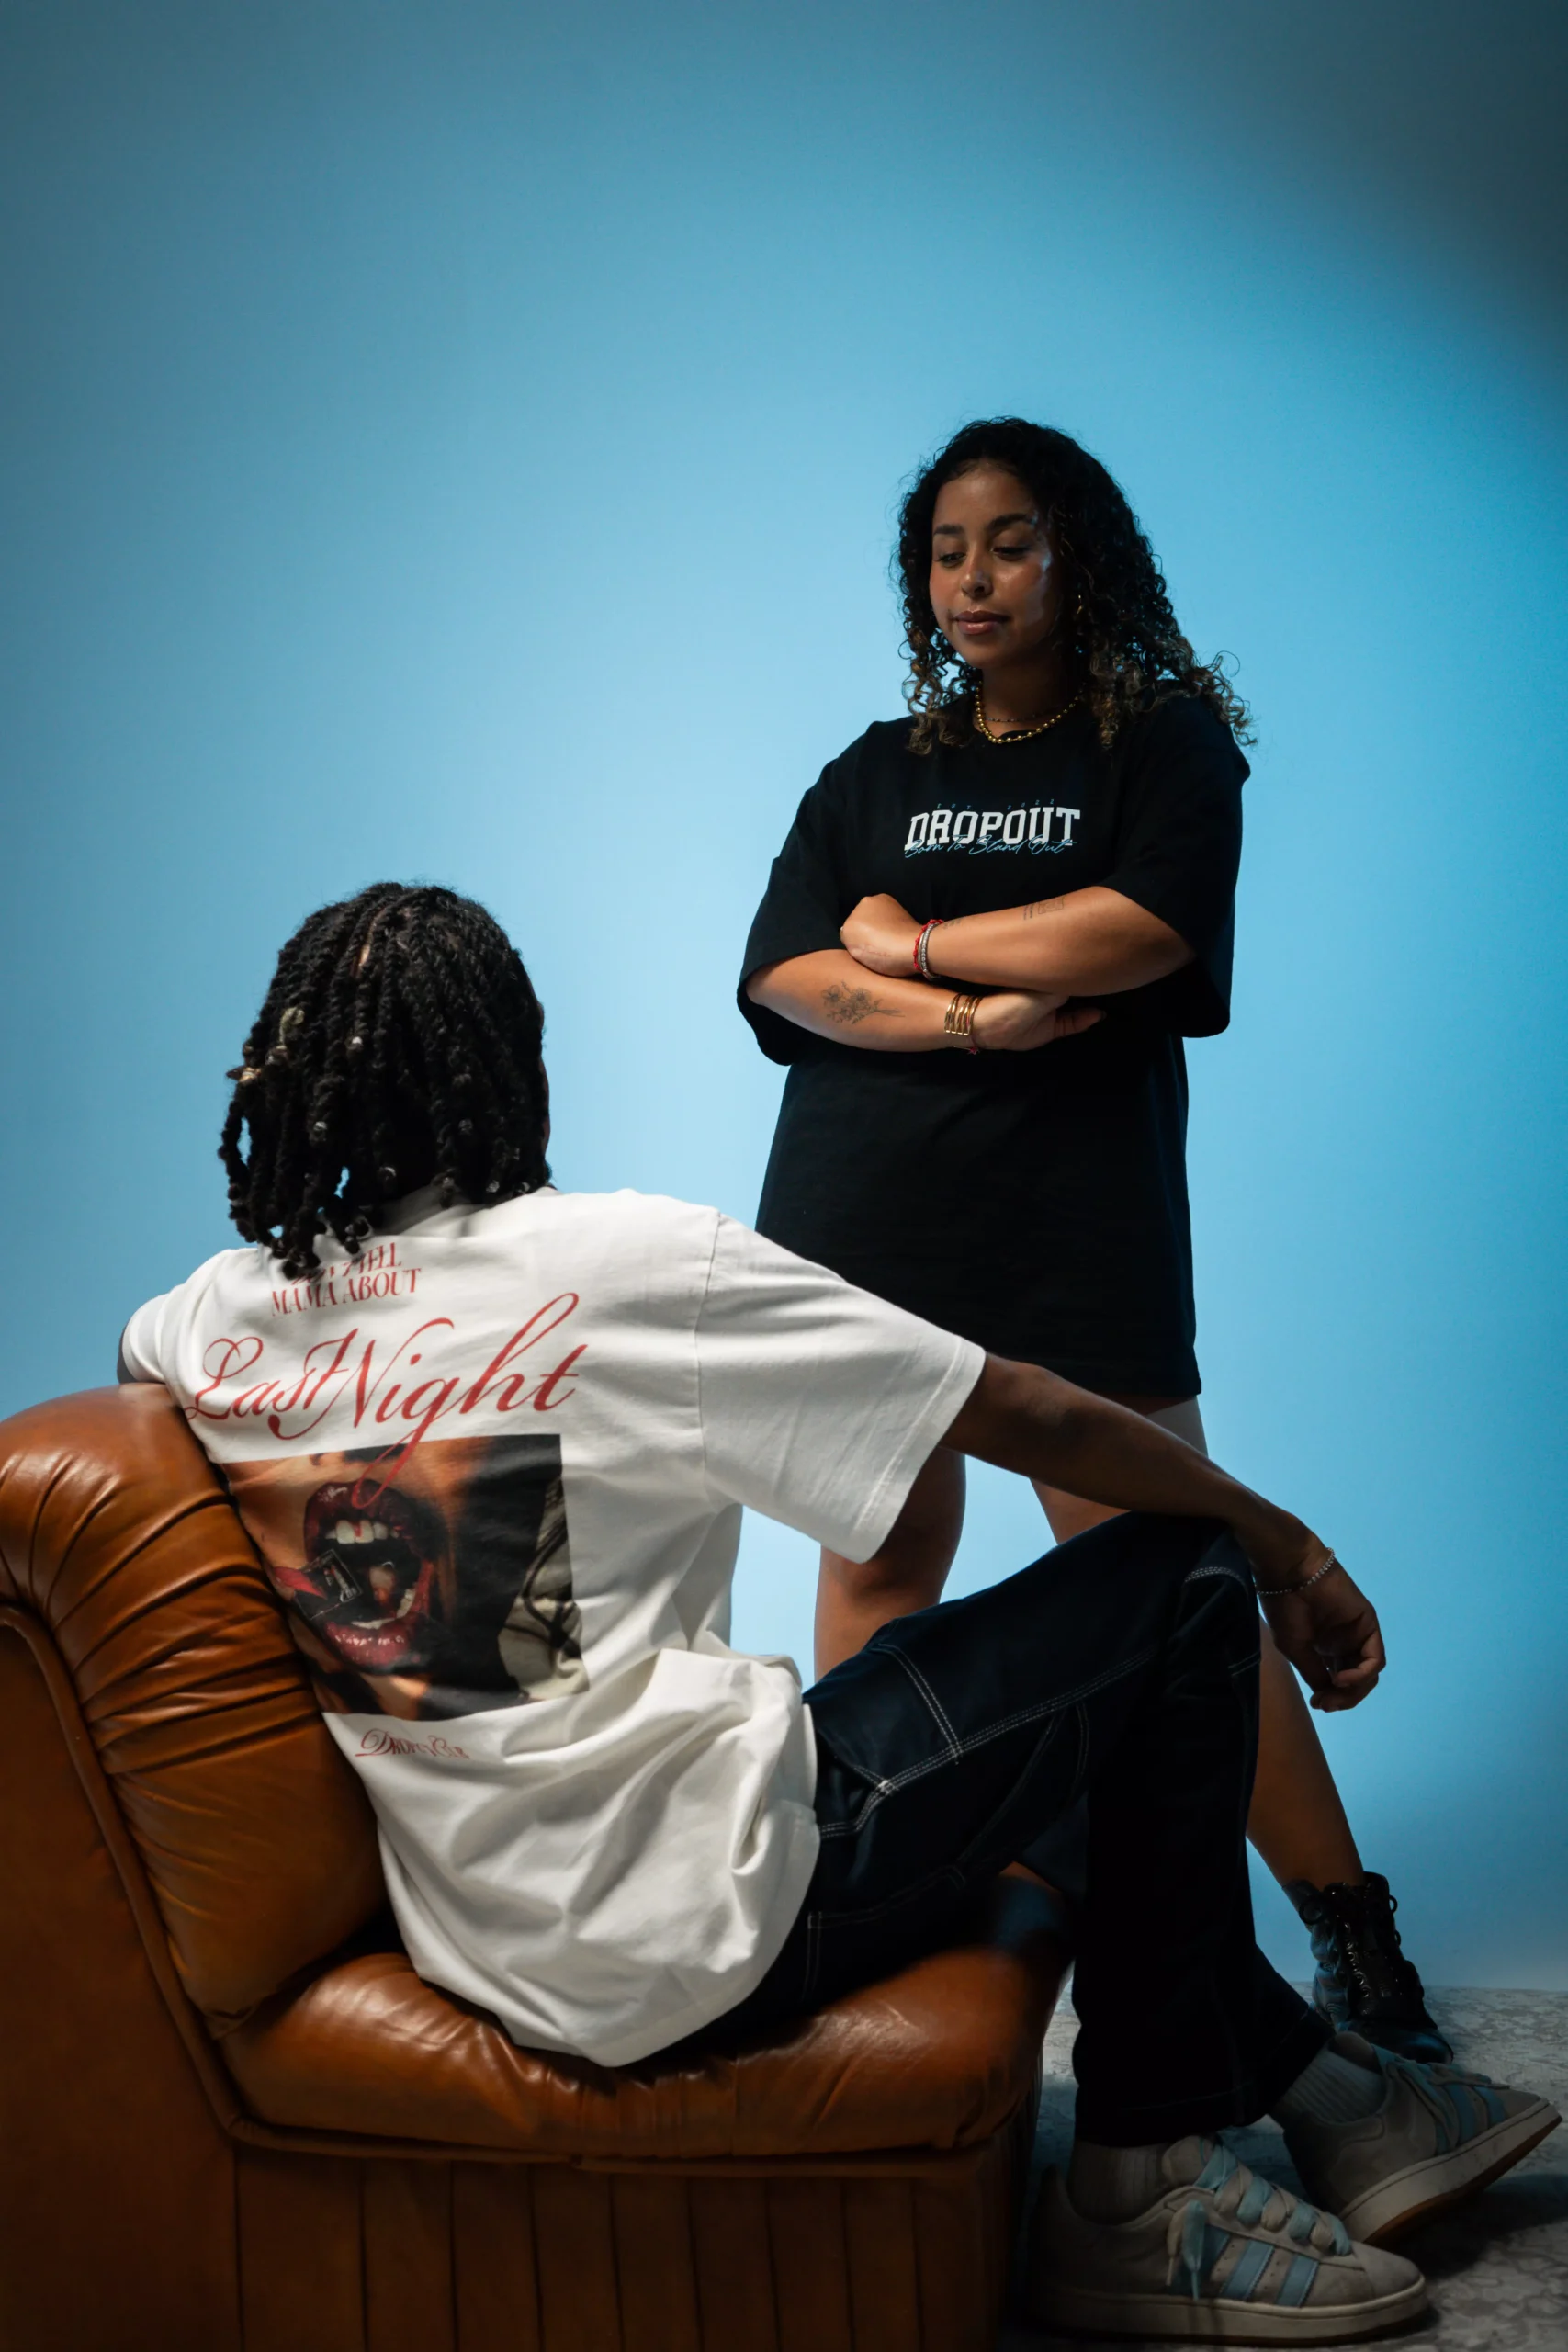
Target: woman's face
{"x":994,"y":586}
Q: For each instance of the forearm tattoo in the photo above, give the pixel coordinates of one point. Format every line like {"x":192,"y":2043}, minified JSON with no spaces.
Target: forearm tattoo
{"x":1042,"y":907}
{"x":848,"y":1006}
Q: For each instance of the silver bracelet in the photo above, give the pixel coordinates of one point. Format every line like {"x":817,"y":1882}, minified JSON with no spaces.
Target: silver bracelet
{"x":923,"y":944}
{"x":1283,"y":1591}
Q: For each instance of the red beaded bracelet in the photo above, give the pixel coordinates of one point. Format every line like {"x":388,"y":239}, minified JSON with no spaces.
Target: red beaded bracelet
{"x":922,"y":945}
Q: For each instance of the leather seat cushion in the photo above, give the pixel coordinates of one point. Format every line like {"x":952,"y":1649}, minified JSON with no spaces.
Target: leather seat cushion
{"x":937,"y":2057}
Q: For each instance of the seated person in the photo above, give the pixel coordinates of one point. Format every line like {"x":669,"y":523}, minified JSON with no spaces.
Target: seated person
{"x":492,"y":1441}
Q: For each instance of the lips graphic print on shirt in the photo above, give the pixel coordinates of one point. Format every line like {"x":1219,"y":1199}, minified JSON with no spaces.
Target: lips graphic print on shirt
{"x":427,"y":1587}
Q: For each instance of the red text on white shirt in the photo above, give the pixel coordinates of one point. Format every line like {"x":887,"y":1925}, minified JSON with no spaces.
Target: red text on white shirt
{"x":293,"y":1406}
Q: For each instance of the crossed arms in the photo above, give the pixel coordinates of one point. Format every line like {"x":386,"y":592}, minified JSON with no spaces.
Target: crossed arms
{"x":1093,"y":942}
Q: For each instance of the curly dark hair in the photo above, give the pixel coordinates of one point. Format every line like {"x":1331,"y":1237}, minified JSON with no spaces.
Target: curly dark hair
{"x":399,"y":1046}
{"x":1117,"y":626}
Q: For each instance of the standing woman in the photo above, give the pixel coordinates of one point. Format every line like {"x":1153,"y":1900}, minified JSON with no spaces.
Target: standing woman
{"x":990,"y":930}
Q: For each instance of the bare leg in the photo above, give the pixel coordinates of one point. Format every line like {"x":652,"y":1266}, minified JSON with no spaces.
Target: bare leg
{"x":854,"y":1597}
{"x":1297,"y":1821}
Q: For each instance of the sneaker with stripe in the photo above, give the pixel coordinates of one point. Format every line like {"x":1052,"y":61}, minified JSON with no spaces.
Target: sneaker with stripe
{"x":1441,"y":2133}
{"x":1224,"y":2256}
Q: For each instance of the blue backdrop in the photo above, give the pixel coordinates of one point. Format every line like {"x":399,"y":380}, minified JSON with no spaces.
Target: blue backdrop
{"x":460,"y":441}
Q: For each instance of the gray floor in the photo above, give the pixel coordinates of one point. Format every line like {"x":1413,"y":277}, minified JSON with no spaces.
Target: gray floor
{"x":1498,"y":2266}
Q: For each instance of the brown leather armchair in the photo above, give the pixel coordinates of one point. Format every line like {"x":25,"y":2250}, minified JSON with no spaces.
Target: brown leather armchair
{"x":234,"y":2119}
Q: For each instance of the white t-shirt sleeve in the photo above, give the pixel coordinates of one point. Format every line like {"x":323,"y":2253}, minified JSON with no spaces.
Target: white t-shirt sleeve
{"x":138,"y":1357}
{"x":151,"y":1343}
{"x":819,"y":1403}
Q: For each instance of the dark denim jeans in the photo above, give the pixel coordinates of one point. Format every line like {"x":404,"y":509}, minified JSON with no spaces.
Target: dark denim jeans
{"x":1121,"y":1667}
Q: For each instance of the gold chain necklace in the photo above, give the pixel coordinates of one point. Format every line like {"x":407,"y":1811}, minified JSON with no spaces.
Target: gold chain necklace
{"x":1020,"y":734}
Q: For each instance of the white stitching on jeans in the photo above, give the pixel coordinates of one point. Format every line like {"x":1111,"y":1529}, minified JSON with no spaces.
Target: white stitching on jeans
{"x":955,"y":1745}
{"x":981,"y":1739}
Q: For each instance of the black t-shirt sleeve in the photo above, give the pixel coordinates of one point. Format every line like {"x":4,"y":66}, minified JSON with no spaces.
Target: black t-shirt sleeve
{"x":802,"y":909}
{"x":1179,"y":850}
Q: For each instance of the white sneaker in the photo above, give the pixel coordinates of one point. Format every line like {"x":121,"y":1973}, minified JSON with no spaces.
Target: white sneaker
{"x":1222,"y":2257}
{"x":1441,"y":2135}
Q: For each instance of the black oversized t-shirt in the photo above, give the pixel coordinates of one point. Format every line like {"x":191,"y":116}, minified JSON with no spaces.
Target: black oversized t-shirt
{"x":1036,"y":1202}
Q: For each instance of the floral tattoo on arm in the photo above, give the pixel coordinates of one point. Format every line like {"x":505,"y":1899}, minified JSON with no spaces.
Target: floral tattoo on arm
{"x":848,"y":1006}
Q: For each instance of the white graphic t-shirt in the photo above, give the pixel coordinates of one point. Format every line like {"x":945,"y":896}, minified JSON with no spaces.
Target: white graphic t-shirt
{"x":494,"y":1464}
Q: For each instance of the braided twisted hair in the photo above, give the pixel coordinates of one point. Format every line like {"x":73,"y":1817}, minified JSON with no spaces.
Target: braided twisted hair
{"x":1117,"y":625}
{"x":399,"y":1046}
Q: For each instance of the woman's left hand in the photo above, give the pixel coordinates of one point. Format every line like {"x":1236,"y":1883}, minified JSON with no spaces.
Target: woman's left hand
{"x":880,"y":935}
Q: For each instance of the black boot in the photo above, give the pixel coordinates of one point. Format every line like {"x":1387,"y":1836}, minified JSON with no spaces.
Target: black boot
{"x":1364,"y":1982}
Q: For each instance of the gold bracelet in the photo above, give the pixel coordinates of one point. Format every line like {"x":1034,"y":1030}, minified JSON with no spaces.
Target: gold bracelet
{"x":958,"y":1020}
